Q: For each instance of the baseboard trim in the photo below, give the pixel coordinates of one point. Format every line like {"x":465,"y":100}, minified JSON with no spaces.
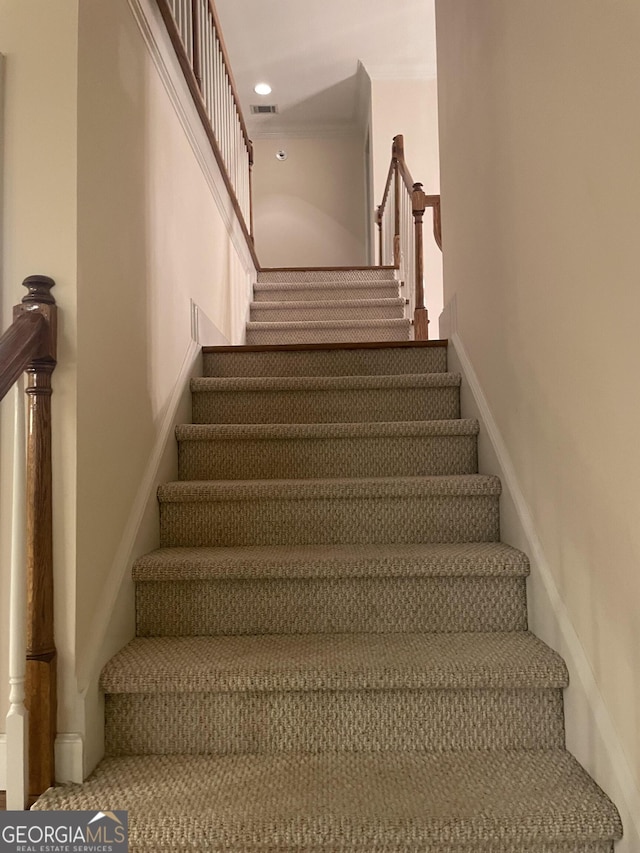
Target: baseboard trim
{"x":69,"y":749}
{"x":69,"y":754}
{"x":594,"y":742}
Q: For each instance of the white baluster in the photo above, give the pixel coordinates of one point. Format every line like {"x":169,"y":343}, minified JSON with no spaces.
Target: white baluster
{"x":18,"y":716}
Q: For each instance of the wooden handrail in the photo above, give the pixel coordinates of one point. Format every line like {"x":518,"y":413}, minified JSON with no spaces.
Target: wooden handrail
{"x":398,"y":176}
{"x":30,"y":345}
{"x":18,"y":346}
{"x":193,"y":73}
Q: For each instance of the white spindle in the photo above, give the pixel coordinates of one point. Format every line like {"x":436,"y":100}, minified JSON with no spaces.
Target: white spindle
{"x":189,"y":31}
{"x":180,"y":19}
{"x":207,"y":51}
{"x":227,"y":124}
{"x":219,"y":101}
{"x":215,"y":121}
{"x":18,"y":716}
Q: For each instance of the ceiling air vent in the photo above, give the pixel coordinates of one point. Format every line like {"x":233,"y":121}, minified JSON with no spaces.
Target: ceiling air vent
{"x":263,"y":109}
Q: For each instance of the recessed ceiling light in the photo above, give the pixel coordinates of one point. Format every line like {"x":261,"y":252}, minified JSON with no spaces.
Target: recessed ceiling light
{"x":262,"y":89}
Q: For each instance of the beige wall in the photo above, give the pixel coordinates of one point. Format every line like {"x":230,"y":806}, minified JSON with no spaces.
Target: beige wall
{"x":38,"y":235}
{"x":114,"y":192}
{"x":410,"y":108}
{"x":151,"y":238}
{"x":309,"y":210}
{"x":540,"y":134}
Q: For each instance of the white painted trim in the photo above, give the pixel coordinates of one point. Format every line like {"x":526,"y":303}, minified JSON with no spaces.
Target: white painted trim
{"x":593,"y":740}
{"x":156,"y":38}
{"x":3,"y":762}
{"x":69,"y":751}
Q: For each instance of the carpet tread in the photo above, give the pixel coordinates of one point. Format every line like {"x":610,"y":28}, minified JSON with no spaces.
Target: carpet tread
{"x":393,"y":429}
{"x":460,"y":485}
{"x":320,"y":304}
{"x":476,"y":559}
{"x":334,"y":662}
{"x":392,"y":802}
{"x":207,"y":384}
{"x":399,"y":323}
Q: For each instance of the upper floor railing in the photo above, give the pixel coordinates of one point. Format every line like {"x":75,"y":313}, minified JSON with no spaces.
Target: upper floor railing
{"x":400,"y":240}
{"x":196,"y":35}
{"x":29,"y":345}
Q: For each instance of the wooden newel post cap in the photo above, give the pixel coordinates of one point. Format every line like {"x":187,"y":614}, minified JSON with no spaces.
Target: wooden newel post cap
{"x":419,"y":199}
{"x":39,"y":290}
{"x":398,"y":146}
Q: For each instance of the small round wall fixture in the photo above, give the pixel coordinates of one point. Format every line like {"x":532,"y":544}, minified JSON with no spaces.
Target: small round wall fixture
{"x":281,"y":155}
{"x":262,"y":89}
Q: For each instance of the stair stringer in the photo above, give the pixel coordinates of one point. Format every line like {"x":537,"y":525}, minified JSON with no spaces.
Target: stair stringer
{"x":590,"y":733}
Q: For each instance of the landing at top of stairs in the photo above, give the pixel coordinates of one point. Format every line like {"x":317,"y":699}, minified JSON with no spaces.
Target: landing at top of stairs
{"x":307,"y":306}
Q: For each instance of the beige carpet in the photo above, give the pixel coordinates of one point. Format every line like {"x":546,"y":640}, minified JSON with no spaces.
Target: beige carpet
{"x":332,"y":650}
{"x":316,"y":307}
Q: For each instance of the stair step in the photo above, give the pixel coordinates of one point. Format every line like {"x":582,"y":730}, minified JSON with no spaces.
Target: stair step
{"x":288,"y":451}
{"x":337,"y":291}
{"x":326,"y":399}
{"x":335,"y":274}
{"x":334,"y":692}
{"x":376,"y":589}
{"x":334,"y":662}
{"x":326,"y":360}
{"x":347,"y":310}
{"x":390,"y":802}
{"x":477,"y":559}
{"x":307,"y":512}
{"x":320,"y":331}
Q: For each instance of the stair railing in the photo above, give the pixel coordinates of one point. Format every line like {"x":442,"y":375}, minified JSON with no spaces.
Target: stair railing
{"x":29,"y":345}
{"x":400,"y":240}
{"x":194,"y":29}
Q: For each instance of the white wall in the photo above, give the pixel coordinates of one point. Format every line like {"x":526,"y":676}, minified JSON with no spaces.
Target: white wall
{"x":540,"y":183}
{"x":309,"y":209}
{"x":38,"y":235}
{"x":119,"y":184}
{"x":410,"y":107}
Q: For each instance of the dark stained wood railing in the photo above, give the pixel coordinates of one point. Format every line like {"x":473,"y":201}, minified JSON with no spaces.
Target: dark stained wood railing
{"x":399,"y":218}
{"x":196,"y":35}
{"x":29,"y":345}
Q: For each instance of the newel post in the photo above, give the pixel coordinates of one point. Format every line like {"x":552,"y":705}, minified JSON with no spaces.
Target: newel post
{"x":420,"y":316}
{"x":41,"y":697}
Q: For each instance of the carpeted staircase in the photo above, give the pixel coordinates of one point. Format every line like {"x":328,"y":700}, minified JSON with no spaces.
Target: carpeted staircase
{"x":332,"y":650}
{"x":337,"y":305}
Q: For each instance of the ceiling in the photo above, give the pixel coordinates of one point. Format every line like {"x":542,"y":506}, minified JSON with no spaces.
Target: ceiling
{"x":309,"y":52}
